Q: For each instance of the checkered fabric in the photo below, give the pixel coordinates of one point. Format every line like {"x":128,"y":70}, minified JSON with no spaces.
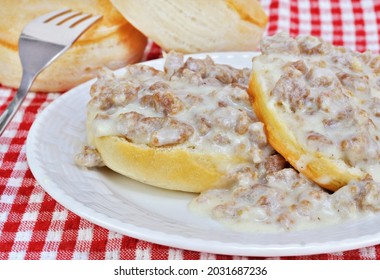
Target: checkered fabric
{"x":35,"y":226}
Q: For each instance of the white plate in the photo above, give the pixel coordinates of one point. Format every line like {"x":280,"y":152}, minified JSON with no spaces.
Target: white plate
{"x":144,"y":212}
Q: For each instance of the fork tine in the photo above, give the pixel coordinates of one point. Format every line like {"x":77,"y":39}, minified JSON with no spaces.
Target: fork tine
{"x":51,"y":15}
{"x":75,"y":20}
{"x":64,"y":17}
{"x":86,"y":23}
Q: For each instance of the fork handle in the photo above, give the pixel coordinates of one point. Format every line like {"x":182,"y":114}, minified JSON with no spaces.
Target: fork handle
{"x":26,"y":82}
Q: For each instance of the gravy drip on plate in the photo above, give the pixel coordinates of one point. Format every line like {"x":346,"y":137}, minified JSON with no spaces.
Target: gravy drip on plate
{"x":285,"y":200}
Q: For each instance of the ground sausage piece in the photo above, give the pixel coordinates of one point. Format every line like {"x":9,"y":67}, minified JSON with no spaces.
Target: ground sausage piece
{"x":319,"y":77}
{"x":369,"y":196}
{"x":275,"y":163}
{"x":139,"y":69}
{"x":127,"y":122}
{"x":171,"y":133}
{"x":292,"y":91}
{"x":117,"y":94}
{"x":124,"y":94}
{"x":313,"y":45}
{"x":204,"y":126}
{"x":89,"y":157}
{"x":333,"y":100}
{"x":138,"y":128}
{"x":359,"y":148}
{"x":298,"y":65}
{"x":165,"y":103}
{"x":199,"y":65}
{"x":375,"y":106}
{"x":154,"y":131}
{"x":173,"y":63}
{"x":375,"y":64}
{"x":256,"y":134}
{"x":159,"y":86}
{"x":243,"y":123}
{"x":319,"y":138}
{"x":356,"y":83}
{"x":281,"y":43}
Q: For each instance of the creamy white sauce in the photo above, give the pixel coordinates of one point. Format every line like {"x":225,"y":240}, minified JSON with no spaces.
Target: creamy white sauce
{"x":285,"y":200}
{"x":350,"y":117}
{"x":222,"y":106}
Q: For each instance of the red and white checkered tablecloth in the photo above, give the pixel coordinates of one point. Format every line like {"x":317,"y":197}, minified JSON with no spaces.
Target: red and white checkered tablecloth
{"x":35,"y":226}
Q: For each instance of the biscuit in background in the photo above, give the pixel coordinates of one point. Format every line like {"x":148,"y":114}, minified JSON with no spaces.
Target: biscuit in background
{"x":197,"y":25}
{"x":112,"y":42}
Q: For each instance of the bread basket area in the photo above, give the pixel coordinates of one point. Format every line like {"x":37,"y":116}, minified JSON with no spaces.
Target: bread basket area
{"x":194,"y":130}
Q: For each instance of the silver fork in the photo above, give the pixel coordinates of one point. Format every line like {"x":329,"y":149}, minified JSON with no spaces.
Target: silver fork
{"x":42,"y":41}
